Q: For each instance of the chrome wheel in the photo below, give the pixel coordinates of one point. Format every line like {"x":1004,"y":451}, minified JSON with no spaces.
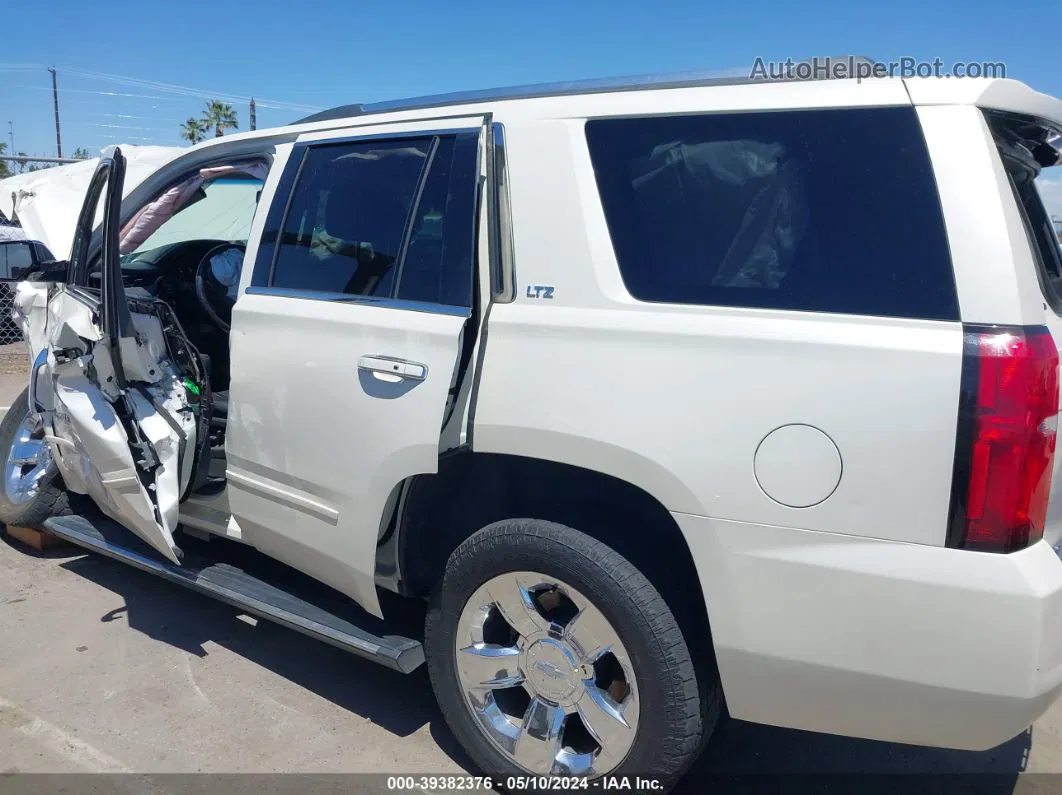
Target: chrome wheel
{"x":29,"y":461}
{"x":546,"y":676}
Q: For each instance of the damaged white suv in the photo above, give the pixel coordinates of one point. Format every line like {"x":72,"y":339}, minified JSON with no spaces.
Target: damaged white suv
{"x":661,"y":395}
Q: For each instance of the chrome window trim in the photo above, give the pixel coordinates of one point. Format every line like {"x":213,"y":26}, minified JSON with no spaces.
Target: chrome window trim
{"x":382,"y":302}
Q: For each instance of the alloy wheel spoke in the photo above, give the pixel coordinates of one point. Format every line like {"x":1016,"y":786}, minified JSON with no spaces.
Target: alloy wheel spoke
{"x":590,"y":634}
{"x":511,"y":596}
{"x":488,"y":666}
{"x":26,"y":451}
{"x":608,"y":724}
{"x":539,"y":741}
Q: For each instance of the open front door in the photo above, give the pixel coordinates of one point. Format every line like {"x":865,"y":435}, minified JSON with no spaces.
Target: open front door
{"x":126,"y":416}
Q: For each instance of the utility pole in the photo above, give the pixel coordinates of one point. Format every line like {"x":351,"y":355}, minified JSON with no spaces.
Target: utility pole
{"x":55,"y":98}
{"x":254,"y":117}
{"x":11,"y":133}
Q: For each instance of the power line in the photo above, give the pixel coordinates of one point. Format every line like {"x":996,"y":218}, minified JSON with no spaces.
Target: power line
{"x":102,"y":93}
{"x":189,"y":91}
{"x":121,"y":126}
{"x":130,"y":116}
{"x":111,"y":139}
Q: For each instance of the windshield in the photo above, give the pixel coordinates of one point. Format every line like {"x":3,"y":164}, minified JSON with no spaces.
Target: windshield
{"x":223,"y":211}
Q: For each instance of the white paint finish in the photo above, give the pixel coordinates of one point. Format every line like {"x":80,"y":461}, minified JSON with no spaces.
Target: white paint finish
{"x":994,"y":272}
{"x":102,"y":456}
{"x":995,"y":267}
{"x":90,"y":445}
{"x":30,"y":309}
{"x":267,"y":489}
{"x":169,"y":483}
{"x":317,"y":502}
{"x":876,"y":639}
{"x":797,"y":466}
{"x":1008,"y":95}
{"x":676,"y":400}
{"x":314,"y":444}
{"x":824,"y":630}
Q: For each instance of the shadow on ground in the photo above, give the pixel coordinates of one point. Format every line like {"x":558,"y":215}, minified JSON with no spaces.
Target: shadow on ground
{"x":742,"y":757}
{"x":189,"y":621}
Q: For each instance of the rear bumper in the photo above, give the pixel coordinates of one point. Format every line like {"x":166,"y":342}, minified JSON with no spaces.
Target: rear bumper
{"x":879,"y":639}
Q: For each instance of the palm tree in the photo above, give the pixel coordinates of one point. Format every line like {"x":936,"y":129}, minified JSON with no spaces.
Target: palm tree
{"x":193,"y":130}
{"x":220,"y":116}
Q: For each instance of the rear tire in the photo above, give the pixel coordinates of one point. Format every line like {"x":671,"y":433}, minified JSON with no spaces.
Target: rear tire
{"x":663,"y":698}
{"x":47,"y":497}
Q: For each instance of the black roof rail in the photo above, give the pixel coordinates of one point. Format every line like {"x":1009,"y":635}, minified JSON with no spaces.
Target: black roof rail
{"x":689,"y":79}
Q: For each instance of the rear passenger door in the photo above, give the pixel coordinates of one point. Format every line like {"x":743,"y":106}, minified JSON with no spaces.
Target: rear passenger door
{"x":347,"y":337}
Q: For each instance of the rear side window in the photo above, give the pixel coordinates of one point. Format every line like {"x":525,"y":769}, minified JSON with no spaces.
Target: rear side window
{"x":380,"y":218}
{"x":1023,"y":148}
{"x":819,"y":211}
{"x":348,"y":212}
{"x":1043,"y":239}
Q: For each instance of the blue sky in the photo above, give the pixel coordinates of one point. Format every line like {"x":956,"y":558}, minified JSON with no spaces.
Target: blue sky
{"x":292,"y":56}
{"x":321,"y":52}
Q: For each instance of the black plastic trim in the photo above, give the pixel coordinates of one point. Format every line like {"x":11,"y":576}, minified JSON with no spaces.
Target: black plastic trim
{"x":964,"y":431}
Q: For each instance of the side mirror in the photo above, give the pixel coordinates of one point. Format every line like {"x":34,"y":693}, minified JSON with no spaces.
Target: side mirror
{"x":29,"y":260}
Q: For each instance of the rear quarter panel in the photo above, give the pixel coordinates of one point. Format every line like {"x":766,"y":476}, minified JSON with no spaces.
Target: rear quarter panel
{"x":676,"y":399}
{"x":995,"y":267}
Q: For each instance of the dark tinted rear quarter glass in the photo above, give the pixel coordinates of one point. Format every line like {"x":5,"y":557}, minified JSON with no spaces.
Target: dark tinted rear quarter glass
{"x":819,"y":211}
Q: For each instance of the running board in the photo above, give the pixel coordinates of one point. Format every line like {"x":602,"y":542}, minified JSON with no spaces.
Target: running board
{"x":240,"y":589}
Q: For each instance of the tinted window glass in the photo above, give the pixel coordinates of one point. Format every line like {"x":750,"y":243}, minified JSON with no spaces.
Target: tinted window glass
{"x":824,"y":210}
{"x":344,"y":227}
{"x":1021,"y":144}
{"x":438,"y":263}
{"x":15,"y":259}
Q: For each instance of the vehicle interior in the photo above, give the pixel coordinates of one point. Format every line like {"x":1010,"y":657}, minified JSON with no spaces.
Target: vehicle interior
{"x":186,"y":248}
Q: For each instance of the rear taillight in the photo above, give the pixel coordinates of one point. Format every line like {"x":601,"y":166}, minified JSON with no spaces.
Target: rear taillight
{"x":1008,"y":414}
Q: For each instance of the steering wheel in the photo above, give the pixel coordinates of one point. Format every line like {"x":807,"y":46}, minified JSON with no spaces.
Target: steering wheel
{"x":212,"y":293}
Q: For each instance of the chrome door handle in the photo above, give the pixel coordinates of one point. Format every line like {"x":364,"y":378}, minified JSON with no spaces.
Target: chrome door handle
{"x":413,"y":371}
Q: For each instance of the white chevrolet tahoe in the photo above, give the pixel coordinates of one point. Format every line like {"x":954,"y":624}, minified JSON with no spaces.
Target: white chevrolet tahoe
{"x":667,"y":398}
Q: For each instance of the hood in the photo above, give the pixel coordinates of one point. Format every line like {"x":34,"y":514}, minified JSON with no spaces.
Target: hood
{"x":47,"y":202}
